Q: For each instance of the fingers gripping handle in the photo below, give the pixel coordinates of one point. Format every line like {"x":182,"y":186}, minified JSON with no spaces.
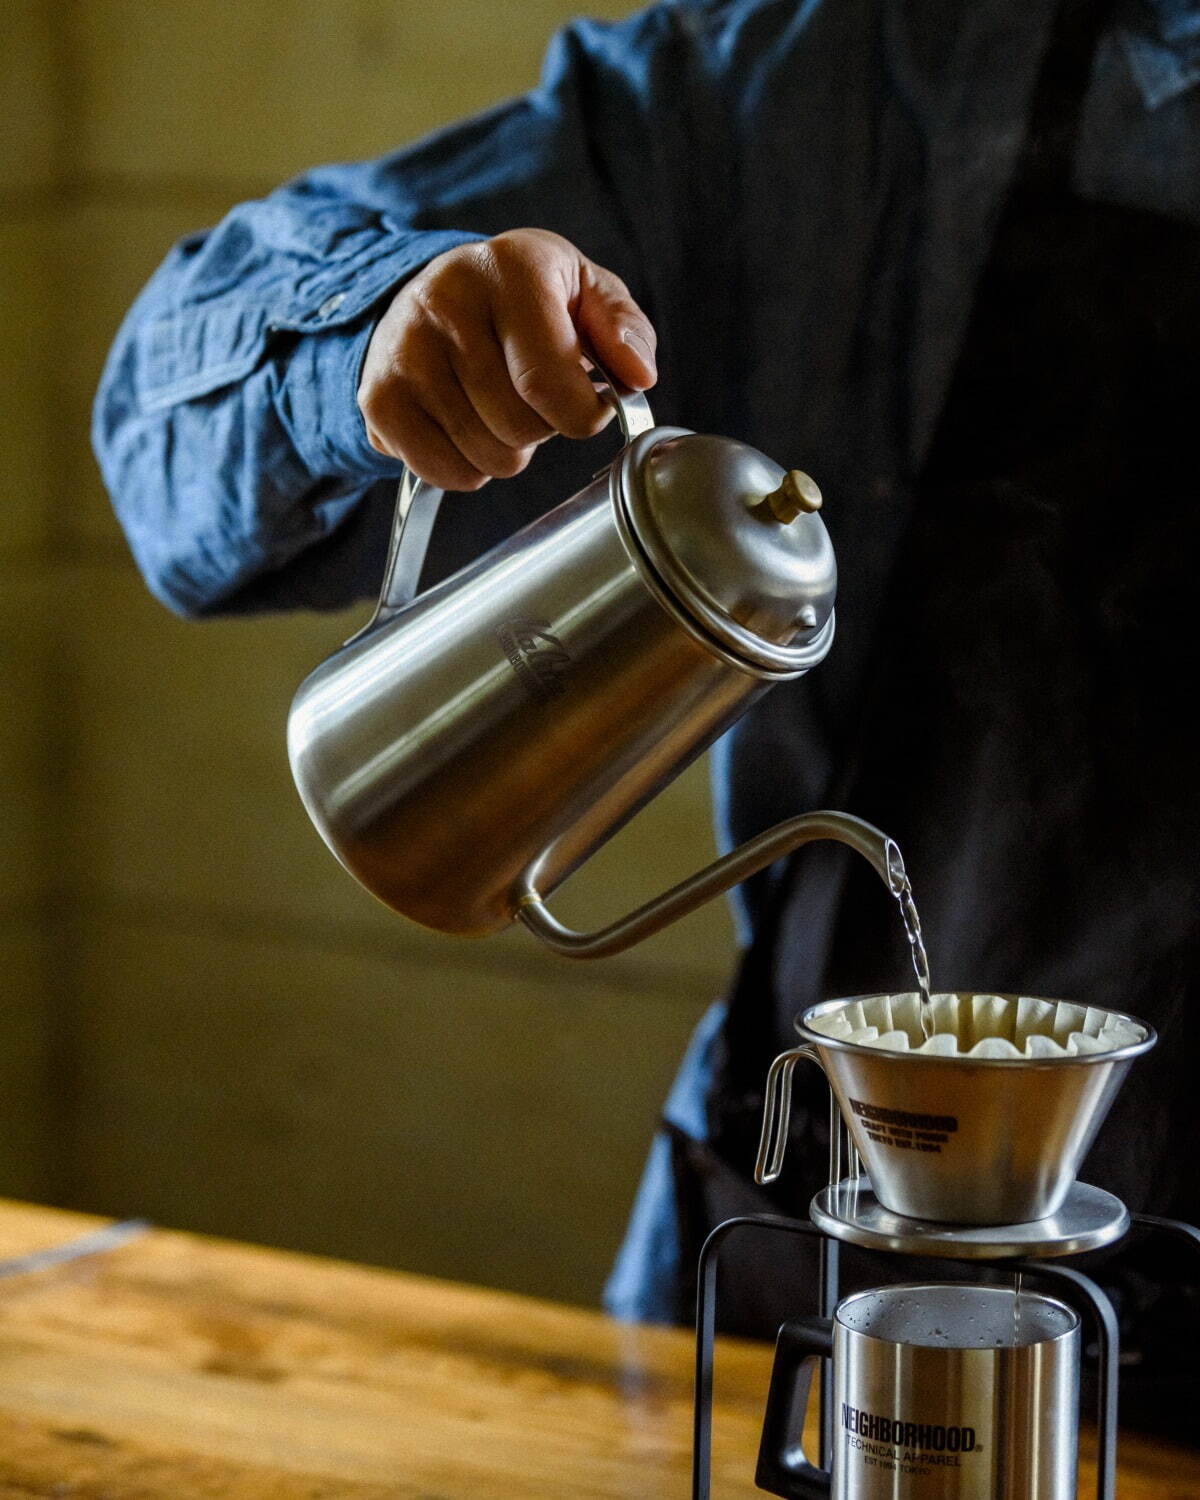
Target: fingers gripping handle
{"x":632,"y":407}
{"x":417,"y":504}
{"x":783,"y":1467}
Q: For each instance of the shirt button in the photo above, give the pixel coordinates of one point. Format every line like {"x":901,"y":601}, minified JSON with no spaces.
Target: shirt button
{"x":331,"y":305}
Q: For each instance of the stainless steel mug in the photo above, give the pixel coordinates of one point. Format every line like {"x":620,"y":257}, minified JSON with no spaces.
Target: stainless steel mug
{"x":940,"y":1392}
{"x":464,"y":753}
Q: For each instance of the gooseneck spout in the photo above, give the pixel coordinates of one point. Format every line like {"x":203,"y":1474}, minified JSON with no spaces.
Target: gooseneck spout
{"x":750,"y":857}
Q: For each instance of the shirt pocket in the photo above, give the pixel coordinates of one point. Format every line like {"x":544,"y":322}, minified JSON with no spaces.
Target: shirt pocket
{"x":195,"y":351}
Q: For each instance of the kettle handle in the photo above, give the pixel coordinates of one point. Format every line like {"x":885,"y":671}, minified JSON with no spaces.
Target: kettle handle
{"x":746,"y":860}
{"x":417,"y":504}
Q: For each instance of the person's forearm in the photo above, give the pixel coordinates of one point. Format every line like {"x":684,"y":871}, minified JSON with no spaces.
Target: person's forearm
{"x":227,"y":428}
{"x":227,"y":424}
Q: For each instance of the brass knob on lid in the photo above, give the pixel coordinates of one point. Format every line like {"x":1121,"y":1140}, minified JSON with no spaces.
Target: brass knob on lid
{"x":797,"y":493}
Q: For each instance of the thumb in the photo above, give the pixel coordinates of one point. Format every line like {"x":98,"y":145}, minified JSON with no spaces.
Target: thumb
{"x":615,"y":326}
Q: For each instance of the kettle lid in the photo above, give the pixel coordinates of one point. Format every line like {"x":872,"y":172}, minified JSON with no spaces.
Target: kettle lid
{"x":736,"y":542}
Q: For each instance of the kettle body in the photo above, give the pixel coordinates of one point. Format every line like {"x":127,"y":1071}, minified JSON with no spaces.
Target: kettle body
{"x":474,"y":744}
{"x":500,"y":728}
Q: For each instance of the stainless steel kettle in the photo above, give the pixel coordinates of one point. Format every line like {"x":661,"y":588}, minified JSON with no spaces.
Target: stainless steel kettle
{"x":468,"y":749}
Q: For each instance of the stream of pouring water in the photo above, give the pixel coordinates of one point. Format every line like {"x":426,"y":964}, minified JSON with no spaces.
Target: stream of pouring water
{"x":901,"y":888}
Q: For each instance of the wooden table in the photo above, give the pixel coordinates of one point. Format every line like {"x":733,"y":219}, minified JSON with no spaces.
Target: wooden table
{"x":177,"y":1367}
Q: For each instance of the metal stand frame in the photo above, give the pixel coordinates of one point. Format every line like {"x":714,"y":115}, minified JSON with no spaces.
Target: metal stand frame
{"x":1080,"y":1289}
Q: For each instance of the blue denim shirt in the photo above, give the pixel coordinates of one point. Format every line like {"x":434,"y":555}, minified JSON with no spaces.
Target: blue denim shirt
{"x":800,"y":193}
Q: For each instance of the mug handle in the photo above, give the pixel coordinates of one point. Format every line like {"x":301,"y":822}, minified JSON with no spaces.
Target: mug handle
{"x":783,"y":1467}
{"x":417,"y":505}
{"x":746,"y":860}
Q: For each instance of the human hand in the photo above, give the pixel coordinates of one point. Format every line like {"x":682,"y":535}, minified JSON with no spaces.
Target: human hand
{"x":477,"y":359}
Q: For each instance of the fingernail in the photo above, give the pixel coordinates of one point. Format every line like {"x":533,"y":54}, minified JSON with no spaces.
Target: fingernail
{"x":640,"y":347}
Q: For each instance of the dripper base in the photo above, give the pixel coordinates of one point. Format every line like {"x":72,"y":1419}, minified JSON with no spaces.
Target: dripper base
{"x":1088,"y":1219}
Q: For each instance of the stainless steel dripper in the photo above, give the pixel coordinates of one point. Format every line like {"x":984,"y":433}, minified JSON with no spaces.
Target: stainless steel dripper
{"x":954,"y":1139}
{"x":471,"y":747}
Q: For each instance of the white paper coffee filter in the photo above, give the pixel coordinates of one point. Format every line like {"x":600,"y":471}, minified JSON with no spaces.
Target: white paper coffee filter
{"x":979,"y":1026}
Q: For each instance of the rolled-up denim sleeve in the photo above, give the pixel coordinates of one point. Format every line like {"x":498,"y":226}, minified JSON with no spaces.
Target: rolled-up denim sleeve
{"x":226,"y":423}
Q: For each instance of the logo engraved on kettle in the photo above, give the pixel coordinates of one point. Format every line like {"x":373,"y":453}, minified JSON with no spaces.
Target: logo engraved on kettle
{"x":536,"y":654}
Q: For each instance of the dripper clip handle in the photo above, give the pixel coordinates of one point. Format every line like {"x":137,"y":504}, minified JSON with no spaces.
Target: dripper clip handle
{"x":844,"y":1161}
{"x":777,"y":1112}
